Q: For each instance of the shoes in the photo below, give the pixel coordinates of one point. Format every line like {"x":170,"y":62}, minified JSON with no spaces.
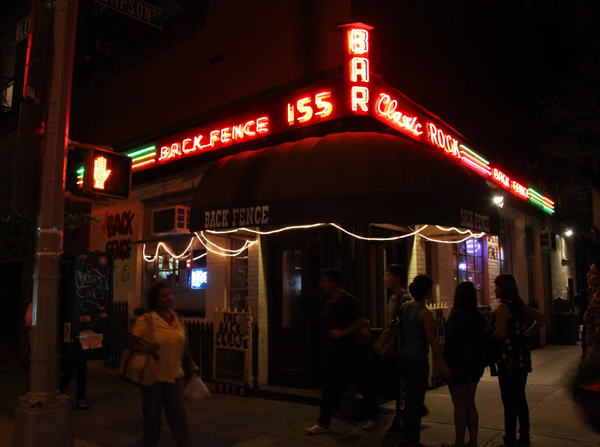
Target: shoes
{"x":370,"y":426}
{"x":393,"y":430}
{"x":82,"y":407}
{"x":317,"y":430}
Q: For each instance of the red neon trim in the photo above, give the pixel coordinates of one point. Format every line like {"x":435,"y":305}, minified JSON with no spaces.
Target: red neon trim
{"x":501,"y":178}
{"x":476,"y":166}
{"x":326,"y":106}
{"x":465,"y":154}
{"x":303,"y":108}
{"x":359,"y":66}
{"x":360,"y":98}
{"x":262,"y":124}
{"x":225,"y":135}
{"x":403,"y":122}
{"x":358,"y":41}
{"x":519,"y":190}
{"x":290,"y":114}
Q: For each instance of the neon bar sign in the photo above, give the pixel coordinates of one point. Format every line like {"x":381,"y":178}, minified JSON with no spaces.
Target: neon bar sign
{"x":442,"y":140}
{"x":216,"y":138}
{"x":387,"y":108}
{"x":357,"y":63}
{"x":303,"y":112}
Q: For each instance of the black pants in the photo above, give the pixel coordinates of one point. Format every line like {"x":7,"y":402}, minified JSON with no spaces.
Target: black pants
{"x":67,"y":374}
{"x":340,"y":371}
{"x":416,"y":376}
{"x":512,"y":390}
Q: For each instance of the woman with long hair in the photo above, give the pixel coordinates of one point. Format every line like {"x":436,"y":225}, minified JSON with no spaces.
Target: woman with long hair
{"x":464,"y":352}
{"x":512,"y":331}
{"x":417,"y":335}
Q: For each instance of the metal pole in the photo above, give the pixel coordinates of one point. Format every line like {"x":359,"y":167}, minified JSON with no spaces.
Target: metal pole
{"x":43,"y":416}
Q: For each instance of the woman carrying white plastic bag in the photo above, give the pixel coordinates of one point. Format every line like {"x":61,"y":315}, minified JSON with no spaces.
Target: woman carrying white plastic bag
{"x":195,"y":390}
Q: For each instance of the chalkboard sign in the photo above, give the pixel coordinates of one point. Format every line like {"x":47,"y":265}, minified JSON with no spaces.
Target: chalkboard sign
{"x":87,"y":295}
{"x":230,"y":364}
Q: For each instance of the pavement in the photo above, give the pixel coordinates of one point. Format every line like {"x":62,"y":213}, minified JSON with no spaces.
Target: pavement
{"x":115,"y":416}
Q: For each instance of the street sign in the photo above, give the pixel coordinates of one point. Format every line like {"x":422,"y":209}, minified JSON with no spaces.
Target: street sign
{"x":107,"y":173}
{"x":137,"y":9}
{"x":22,"y":28}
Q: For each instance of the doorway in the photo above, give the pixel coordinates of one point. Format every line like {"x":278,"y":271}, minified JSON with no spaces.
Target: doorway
{"x":294,"y":314}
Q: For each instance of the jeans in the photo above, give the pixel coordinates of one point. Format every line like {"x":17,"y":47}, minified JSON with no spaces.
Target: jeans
{"x":512,"y":390}
{"x":67,"y":374}
{"x":416,"y":377}
{"x":169,"y":395}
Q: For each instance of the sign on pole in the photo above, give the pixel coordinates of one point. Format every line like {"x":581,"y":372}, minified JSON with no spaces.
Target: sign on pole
{"x":137,"y":9}
{"x":22,"y":28}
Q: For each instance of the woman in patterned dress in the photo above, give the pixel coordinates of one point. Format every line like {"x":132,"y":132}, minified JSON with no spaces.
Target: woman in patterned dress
{"x":515,"y":364}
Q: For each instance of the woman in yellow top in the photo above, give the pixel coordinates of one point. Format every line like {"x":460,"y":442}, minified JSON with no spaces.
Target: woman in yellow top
{"x":170,"y":345}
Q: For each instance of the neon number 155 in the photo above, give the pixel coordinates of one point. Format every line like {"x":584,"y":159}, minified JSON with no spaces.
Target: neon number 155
{"x":303,"y":111}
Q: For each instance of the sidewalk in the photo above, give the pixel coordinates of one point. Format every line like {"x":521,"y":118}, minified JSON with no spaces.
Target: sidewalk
{"x":114,"y":419}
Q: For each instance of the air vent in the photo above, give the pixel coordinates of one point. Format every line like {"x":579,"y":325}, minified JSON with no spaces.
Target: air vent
{"x":175,"y":219}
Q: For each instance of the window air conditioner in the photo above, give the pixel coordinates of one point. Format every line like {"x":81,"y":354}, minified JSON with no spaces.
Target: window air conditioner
{"x":548,"y":240}
{"x":175,"y":219}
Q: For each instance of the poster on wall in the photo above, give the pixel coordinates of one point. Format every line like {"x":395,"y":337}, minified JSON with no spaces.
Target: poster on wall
{"x":86,"y":304}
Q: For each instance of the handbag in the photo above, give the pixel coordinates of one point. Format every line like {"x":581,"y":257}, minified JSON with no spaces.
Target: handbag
{"x":388,"y":343}
{"x":139,"y":368}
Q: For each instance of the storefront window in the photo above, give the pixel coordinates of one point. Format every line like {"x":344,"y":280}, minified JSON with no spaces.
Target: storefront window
{"x":239,"y":277}
{"x":176,"y":272}
{"x":468,"y":264}
{"x":504,"y":247}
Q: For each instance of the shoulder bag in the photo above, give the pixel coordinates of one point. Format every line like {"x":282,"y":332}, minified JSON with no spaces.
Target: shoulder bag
{"x":139,"y":368}
{"x":390,"y":339}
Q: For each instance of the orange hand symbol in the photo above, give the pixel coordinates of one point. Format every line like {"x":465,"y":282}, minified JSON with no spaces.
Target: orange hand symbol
{"x":100,"y":172}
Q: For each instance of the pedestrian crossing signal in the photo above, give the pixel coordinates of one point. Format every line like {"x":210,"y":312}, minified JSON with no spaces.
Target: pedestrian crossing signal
{"x":107,"y":173}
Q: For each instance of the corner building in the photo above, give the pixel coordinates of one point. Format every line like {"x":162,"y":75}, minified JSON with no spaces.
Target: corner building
{"x":286,"y":137}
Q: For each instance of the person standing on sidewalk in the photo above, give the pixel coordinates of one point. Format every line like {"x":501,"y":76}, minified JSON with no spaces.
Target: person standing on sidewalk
{"x":515,"y":363}
{"x":464,"y":352}
{"x":417,"y":335}
{"x":170,"y":345}
{"x":393,"y":280}
{"x":592,"y":315}
{"x":343,"y":320}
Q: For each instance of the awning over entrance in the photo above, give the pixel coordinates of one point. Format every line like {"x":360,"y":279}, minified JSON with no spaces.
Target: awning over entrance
{"x":352,"y":177}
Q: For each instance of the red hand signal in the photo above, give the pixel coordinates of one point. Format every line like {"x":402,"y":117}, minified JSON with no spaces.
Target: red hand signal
{"x":100,"y":172}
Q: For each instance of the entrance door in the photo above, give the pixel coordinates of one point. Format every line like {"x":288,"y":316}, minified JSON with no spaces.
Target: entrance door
{"x":294,"y":308}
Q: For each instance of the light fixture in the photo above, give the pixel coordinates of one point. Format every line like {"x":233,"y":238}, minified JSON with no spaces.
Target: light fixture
{"x":568,"y":232}
{"x":499,"y":201}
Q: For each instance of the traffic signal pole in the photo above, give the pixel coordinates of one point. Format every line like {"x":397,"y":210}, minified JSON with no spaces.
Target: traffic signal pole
{"x":43,"y":416}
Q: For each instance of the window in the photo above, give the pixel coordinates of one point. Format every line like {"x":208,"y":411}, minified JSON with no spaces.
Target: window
{"x":505,"y":247}
{"x":7,"y":81}
{"x":468,"y":264}
{"x":239,"y":276}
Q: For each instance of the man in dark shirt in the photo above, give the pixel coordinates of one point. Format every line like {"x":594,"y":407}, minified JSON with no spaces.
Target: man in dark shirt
{"x":343,"y":319}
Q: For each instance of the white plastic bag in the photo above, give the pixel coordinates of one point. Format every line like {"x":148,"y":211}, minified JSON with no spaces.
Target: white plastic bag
{"x":195,"y":390}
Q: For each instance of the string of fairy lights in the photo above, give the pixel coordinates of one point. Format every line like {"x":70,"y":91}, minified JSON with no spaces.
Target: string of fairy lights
{"x":222,"y":251}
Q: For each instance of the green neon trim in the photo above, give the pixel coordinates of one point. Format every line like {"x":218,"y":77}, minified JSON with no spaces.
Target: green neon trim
{"x":550,"y":211}
{"x":475,"y":155}
{"x":141,"y":151}
{"x":80,"y":170}
{"x":143,"y":157}
{"x":536,"y":201}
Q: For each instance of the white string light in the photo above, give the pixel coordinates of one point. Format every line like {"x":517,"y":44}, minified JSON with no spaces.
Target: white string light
{"x":235,"y":253}
{"x":394,"y":238}
{"x":182,"y":255}
{"x":247,"y":244}
{"x":451,"y":242}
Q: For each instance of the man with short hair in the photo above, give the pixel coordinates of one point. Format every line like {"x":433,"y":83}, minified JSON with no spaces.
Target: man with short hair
{"x":343,"y":320}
